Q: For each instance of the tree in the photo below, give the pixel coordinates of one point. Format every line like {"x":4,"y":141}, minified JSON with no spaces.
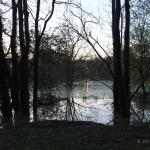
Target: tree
{"x":6,"y":107}
{"x":24,"y":48}
{"x":121,"y":101}
{"x":38,"y":37}
{"x":86,"y":20}
{"x":115,"y":78}
{"x":127,"y":53}
{"x":80,"y":24}
{"x":140,"y":46}
{"x":15,"y":74}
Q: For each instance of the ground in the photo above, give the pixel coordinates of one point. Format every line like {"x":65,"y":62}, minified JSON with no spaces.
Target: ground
{"x":64,"y":135}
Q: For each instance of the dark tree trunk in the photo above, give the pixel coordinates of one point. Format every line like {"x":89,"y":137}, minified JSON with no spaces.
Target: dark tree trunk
{"x":118,"y":54}
{"x":15,"y":76}
{"x":23,"y":66}
{"x":25,"y":103}
{"x":36,"y":55}
{"x":119,"y":85}
{"x":115,"y":78}
{"x":122,"y":91}
{"x":6,"y":107}
{"x":37,"y":47}
{"x":126,"y":53}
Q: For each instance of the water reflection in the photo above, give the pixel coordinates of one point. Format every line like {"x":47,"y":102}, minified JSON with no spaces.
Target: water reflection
{"x":74,"y":109}
{"x":87,"y":101}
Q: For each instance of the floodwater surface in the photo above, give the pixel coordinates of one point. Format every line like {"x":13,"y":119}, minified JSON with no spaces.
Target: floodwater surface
{"x":86,"y":101}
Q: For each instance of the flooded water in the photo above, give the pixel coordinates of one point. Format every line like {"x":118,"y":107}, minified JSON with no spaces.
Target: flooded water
{"x":86,"y":101}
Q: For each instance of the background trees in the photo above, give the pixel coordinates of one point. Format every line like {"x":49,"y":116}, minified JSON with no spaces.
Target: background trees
{"x":74,"y":50}
{"x":140,"y":46}
{"x":19,"y":85}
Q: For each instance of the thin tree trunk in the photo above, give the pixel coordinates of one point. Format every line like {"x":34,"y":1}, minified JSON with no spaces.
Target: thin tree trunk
{"x":36,"y":55}
{"x":25,"y":104}
{"x":37,"y":47}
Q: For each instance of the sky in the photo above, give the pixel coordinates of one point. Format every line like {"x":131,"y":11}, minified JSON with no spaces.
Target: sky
{"x":98,"y":8}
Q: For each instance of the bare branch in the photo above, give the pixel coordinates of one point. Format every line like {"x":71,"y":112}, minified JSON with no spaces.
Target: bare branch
{"x":51,"y":14}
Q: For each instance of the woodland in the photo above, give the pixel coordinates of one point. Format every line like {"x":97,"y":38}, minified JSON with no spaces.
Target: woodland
{"x":38,"y":54}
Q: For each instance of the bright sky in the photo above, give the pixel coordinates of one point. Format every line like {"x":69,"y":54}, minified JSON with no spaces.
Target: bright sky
{"x":98,"y":8}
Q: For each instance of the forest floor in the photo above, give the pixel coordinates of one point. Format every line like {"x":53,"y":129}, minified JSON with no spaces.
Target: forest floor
{"x":77,"y":135}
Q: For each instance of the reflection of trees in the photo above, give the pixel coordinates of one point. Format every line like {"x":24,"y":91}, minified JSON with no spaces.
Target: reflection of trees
{"x":64,"y":110}
{"x":47,"y":112}
{"x":68,"y":109}
{"x":15,"y":120}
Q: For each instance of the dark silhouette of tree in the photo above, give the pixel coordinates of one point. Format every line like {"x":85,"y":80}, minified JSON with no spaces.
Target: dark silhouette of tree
{"x":115,"y":79}
{"x":127,"y":53}
{"x":6,"y":107}
{"x":15,"y":75}
{"x":121,"y":100}
{"x":24,"y":48}
{"x":38,"y":37}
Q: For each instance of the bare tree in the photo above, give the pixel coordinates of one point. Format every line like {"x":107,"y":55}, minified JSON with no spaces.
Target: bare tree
{"x":80,"y":24}
{"x":38,"y":37}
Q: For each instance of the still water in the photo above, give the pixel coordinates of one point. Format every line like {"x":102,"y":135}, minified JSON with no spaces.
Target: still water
{"x":86,"y":101}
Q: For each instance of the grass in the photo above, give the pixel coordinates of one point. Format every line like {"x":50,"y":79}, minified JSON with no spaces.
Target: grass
{"x":64,"y":135}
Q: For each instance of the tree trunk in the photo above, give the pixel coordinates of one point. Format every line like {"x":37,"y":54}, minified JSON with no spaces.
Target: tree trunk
{"x":23,"y":66}
{"x":25,"y":103}
{"x":36,"y":55}
{"x":115,"y":79}
{"x":119,"y":85}
{"x":6,"y":107}
{"x":126,"y":53}
{"x":37,"y":47}
{"x":15,"y":76}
